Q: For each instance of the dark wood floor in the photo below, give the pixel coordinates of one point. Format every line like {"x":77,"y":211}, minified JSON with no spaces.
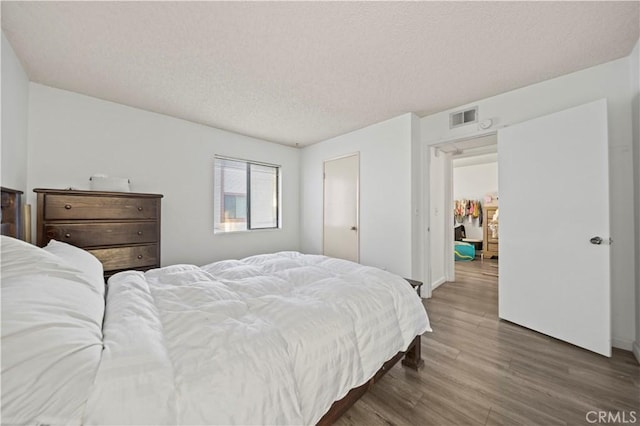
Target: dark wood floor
{"x":482,"y":370}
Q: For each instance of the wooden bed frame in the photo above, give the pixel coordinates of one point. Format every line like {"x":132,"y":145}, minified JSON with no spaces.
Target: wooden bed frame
{"x":12,"y":226}
{"x":412,"y":359}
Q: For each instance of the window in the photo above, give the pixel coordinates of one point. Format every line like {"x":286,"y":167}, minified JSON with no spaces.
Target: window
{"x":246,"y":195}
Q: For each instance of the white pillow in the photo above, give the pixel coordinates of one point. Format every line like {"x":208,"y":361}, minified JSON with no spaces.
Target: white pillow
{"x":80,"y":259}
{"x":51,"y":336}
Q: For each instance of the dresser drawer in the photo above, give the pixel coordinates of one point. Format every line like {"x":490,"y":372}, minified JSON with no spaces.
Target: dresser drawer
{"x":127,"y":257}
{"x":103,"y":234}
{"x":492,"y":247}
{"x":66,"y":207}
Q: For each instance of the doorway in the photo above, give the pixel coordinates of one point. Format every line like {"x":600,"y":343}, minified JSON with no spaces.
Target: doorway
{"x":341,"y":208}
{"x":464,"y":176}
{"x":476,"y":206}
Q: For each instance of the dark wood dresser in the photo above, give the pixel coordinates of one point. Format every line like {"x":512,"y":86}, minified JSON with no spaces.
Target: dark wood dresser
{"x":122,"y":229}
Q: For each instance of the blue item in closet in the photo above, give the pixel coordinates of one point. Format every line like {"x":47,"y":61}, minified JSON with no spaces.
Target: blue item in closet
{"x":464,"y":251}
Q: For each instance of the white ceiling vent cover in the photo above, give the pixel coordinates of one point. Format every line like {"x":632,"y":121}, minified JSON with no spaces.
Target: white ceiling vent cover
{"x":460,"y":118}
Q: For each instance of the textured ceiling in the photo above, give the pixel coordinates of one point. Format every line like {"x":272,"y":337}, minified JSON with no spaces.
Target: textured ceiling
{"x":302,"y":72}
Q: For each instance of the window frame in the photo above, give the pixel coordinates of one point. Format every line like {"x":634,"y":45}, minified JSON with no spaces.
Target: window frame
{"x":249,"y":227}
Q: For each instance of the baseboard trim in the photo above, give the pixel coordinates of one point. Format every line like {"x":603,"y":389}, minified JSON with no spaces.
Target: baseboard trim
{"x":437,"y":283}
{"x":627,"y":345}
{"x":636,"y":350}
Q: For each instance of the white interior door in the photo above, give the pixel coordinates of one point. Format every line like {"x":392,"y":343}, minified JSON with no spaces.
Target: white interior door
{"x":341,"y":191}
{"x":554,"y":199}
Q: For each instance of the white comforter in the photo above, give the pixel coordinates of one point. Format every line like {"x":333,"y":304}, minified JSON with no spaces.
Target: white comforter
{"x":271,"y":339}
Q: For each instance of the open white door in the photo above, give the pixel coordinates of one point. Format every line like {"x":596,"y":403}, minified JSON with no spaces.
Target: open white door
{"x":341,"y":191}
{"x":554,"y":209}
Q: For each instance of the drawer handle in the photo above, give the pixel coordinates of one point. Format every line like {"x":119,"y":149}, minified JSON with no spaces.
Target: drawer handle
{"x":139,"y":232}
{"x":139,"y":256}
{"x":67,"y":206}
{"x":139,"y":209}
{"x":67,"y":235}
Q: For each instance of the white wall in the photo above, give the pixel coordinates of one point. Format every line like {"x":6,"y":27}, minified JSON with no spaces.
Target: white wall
{"x":72,"y":137}
{"x":15,"y":96}
{"x":385,"y":192}
{"x":634,"y":60}
{"x":611,"y":81}
{"x":472,"y":183}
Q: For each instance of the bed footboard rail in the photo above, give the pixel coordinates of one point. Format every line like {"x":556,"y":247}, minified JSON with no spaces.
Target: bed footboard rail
{"x":412,"y":359}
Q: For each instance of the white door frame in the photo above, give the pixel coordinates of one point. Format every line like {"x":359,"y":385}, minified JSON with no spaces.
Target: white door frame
{"x":449,"y":264}
{"x":357,"y":155}
{"x":425,"y":183}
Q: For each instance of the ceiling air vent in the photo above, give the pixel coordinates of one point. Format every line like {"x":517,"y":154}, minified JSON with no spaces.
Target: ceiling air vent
{"x":460,"y":118}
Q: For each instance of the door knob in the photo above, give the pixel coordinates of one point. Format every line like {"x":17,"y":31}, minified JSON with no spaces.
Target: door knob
{"x":596,"y":240}
{"x":353,"y":228}
{"x":599,"y":240}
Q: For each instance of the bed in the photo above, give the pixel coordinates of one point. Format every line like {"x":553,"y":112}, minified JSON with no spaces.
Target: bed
{"x":281,"y":338}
